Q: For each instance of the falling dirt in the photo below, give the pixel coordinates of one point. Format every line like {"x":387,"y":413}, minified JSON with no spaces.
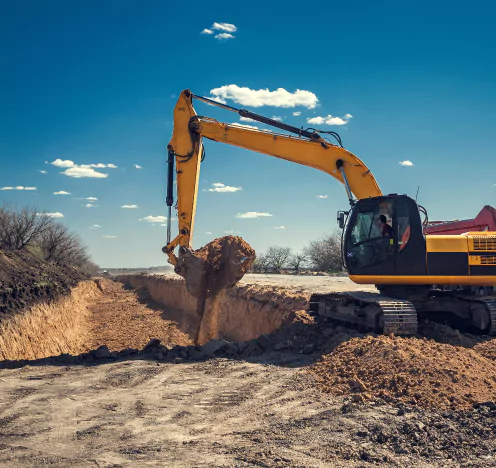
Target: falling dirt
{"x":408,"y":370}
{"x":218,"y":265}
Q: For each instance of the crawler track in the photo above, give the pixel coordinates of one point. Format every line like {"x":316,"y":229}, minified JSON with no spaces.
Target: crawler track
{"x":368,"y":311}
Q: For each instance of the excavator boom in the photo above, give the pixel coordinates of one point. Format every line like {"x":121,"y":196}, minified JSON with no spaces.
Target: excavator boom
{"x":308,"y":149}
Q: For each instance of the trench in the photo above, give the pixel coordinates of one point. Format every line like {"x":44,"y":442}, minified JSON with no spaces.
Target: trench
{"x":237,"y":314}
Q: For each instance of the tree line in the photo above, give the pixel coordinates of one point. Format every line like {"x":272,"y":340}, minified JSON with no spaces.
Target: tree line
{"x":27,"y":229}
{"x":323,"y":254}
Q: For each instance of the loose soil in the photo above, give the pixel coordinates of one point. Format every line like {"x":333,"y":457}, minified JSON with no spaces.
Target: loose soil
{"x":408,"y":370}
{"x":25,"y":279}
{"x":218,"y":265}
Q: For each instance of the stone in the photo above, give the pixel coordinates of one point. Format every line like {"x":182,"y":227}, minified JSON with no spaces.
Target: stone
{"x":101,"y":352}
{"x":178,"y":360}
{"x":264,"y":342}
{"x":357,"y":398}
{"x":359,"y":385}
{"x":308,"y":349}
{"x":196,"y":355}
{"x":489,"y":404}
{"x":212,"y":347}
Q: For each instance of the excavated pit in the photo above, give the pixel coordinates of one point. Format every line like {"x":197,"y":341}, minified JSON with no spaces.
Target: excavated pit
{"x":240,"y":313}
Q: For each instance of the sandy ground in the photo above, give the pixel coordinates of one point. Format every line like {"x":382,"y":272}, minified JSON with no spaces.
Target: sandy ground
{"x":320,"y":284}
{"x":261,"y":411}
{"x":218,"y":413}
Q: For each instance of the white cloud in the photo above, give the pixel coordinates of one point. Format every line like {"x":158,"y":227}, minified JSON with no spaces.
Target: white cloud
{"x":296,"y":114}
{"x":280,"y":227}
{"x":109,"y":237}
{"x":207,"y":31}
{"x":82,"y":170}
{"x":278,"y":119}
{"x":232,"y":232}
{"x":222,"y":188}
{"x":43,"y":172}
{"x":321,"y":196}
{"x":224,"y":27}
{"x":330,"y":120}
{"x":137,"y":166}
{"x":264,"y":97}
{"x":208,"y":233}
{"x":89,"y":205}
{"x":224,"y":36}
{"x":62,"y":192}
{"x":154,"y":219}
{"x":246,"y":119}
{"x":406,"y":163}
{"x":163,"y":225}
{"x":237,"y":124}
{"x":19,"y":187}
{"x":130,"y":207}
{"x":53,"y":215}
{"x":62,"y":163}
{"x":252,"y":214}
{"x":91,"y":198}
{"x":79,"y":172}
{"x":95,"y":226}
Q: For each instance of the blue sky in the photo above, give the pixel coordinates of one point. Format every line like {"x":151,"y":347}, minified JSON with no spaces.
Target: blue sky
{"x":96,"y":82}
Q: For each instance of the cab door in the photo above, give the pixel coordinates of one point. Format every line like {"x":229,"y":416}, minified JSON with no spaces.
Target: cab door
{"x":369,"y":251}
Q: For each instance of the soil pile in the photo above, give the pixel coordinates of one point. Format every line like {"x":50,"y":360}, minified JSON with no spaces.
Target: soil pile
{"x":487,"y":349}
{"x":219,"y":264}
{"x":408,"y":370}
{"x":26,"y":279}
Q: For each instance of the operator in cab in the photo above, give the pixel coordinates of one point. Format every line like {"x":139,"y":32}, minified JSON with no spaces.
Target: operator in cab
{"x":386,"y":229}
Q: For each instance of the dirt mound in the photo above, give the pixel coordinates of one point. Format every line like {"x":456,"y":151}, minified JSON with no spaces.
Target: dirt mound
{"x":487,"y":349}
{"x":219,"y":264}
{"x":25,"y":279}
{"x":408,"y":370}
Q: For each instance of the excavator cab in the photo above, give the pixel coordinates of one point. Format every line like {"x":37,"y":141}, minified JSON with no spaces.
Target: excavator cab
{"x":383,"y":237}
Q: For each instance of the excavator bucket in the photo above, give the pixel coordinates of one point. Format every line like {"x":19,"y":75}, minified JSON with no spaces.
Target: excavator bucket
{"x":218,"y":265}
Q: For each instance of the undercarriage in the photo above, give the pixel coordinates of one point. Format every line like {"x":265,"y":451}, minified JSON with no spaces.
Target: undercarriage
{"x":399,"y":310}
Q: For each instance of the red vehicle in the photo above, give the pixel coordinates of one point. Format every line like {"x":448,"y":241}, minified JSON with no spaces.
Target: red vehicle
{"x":484,"y":221}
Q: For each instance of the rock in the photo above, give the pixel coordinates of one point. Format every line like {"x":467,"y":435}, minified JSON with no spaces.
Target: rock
{"x":212,"y":346}
{"x":327,"y":332}
{"x":230,"y":349}
{"x":153,"y":343}
{"x":359,"y":385}
{"x":308,"y":349}
{"x":241,"y":346}
{"x":128,"y":351}
{"x":489,"y":404}
{"x":101,"y":352}
{"x":357,"y":398}
{"x":178,"y":360}
{"x":264,"y":342}
{"x":196,"y":355}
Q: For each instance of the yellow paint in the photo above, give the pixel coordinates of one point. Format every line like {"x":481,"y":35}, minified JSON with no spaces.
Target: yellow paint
{"x":318,"y":154}
{"x":446,"y":244}
{"x":419,"y":280}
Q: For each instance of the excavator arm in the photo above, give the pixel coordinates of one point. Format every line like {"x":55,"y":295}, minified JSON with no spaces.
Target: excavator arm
{"x":185,"y":150}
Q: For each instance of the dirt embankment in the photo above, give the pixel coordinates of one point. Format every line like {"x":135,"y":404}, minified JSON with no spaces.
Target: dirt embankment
{"x":26,"y":279}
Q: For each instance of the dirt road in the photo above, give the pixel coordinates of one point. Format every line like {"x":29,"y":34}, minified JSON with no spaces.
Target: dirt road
{"x":219,"y":413}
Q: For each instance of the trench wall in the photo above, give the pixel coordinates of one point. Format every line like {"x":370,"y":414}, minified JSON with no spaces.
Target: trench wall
{"x":50,"y":327}
{"x":240,"y":313}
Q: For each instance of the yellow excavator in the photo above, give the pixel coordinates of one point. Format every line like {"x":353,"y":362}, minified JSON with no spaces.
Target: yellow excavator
{"x":383,"y":241}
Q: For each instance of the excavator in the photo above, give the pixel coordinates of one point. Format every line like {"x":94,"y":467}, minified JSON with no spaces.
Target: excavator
{"x":383,"y":240}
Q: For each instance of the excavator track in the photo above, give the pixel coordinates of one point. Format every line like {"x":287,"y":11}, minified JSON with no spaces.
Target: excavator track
{"x":369,"y":311}
{"x":491,"y":307}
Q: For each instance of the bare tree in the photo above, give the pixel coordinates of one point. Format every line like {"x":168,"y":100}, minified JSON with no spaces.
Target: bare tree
{"x":324,"y":254}
{"x":21,"y":227}
{"x":277,"y":257}
{"x":260,"y":265}
{"x":296,"y":261}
